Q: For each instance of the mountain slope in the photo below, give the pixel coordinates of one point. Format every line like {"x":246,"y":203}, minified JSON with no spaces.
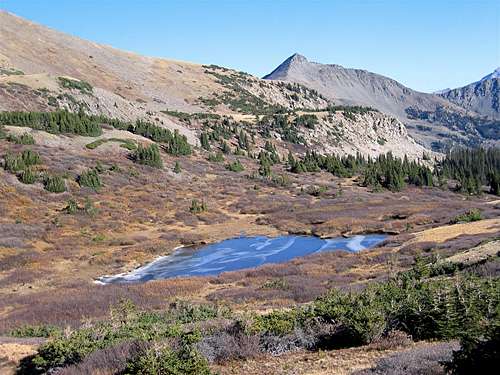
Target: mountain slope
{"x":355,"y":86}
{"x":482,"y":97}
{"x":44,"y":70}
{"x":415,"y":109}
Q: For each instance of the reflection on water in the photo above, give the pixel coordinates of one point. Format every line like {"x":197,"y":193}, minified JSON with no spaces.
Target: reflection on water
{"x":239,"y":253}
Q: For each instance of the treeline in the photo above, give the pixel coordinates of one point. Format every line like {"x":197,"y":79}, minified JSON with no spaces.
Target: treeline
{"x":472,"y":168}
{"x":54,"y":122}
{"x":66,"y":122}
{"x":386,"y":171}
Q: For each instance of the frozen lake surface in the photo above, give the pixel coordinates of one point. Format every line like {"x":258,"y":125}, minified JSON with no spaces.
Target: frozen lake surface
{"x":239,"y":253}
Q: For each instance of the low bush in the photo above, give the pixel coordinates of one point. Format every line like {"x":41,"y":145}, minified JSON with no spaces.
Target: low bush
{"x":17,"y":162}
{"x":81,"y":86}
{"x":477,"y":354}
{"x":235,"y":166}
{"x":467,"y":217}
{"x":24,"y":139}
{"x":90,"y":178}
{"x":54,"y":184}
{"x":197,"y":206}
{"x":125,"y":143}
{"x":148,"y":155}
{"x":28,"y":176}
{"x":165,"y":360}
{"x":35,"y":331}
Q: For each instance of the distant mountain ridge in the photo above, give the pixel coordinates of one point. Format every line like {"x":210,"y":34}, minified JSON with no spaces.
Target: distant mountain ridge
{"x":360,"y":87}
{"x":482,"y":97}
{"x":354,"y":86}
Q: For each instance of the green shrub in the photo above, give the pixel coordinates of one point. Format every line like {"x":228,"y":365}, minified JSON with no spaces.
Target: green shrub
{"x":177,"y":167}
{"x":275,"y":323}
{"x":472,"y":215}
{"x":477,"y":355}
{"x":30,"y":158}
{"x":35,"y":331}
{"x":163,"y":360}
{"x":55,"y":122}
{"x":71,"y":207}
{"x":235,"y":166}
{"x":197,"y":207}
{"x":13,"y":163}
{"x":54,"y":184}
{"x":218,"y":157}
{"x":361,"y":315}
{"x":24,"y":139}
{"x":125,"y":143}
{"x":27,"y":176}
{"x":79,"y":85}
{"x":148,"y":155}
{"x":91,"y":179}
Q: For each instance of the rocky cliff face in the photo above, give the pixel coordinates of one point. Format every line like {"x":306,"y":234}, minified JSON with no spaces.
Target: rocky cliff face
{"x":482,"y":97}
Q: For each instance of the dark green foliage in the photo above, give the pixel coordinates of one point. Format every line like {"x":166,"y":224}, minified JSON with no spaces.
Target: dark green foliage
{"x":235,"y":166}
{"x":54,"y":184}
{"x":24,"y":139}
{"x":279,"y":124}
{"x":205,"y":143}
{"x":307,"y":120}
{"x":243,"y":142}
{"x":72,"y":207}
{"x":27,"y":176}
{"x":35,"y":331}
{"x":167,"y":361}
{"x":81,"y":86}
{"x":177,"y":167}
{"x":54,"y":122}
{"x":478,"y":354}
{"x":264,"y":165}
{"x":225,"y":148}
{"x":349,"y":110}
{"x":17,"y":162}
{"x":13,"y":163}
{"x":197,"y":206}
{"x":125,"y":143}
{"x":82,"y":124}
{"x":472,"y":168}
{"x":494,"y":182}
{"x":218,"y":157}
{"x":148,"y":155}
{"x":91,"y":179}
{"x":467,"y":217}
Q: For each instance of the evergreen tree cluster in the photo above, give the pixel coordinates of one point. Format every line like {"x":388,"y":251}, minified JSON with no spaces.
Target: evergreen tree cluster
{"x":308,"y":121}
{"x":235,"y":166}
{"x":82,"y":124}
{"x":472,"y":168}
{"x":54,"y":184}
{"x":280,"y":124}
{"x":17,"y":162}
{"x":91,"y":179}
{"x":54,"y":122}
{"x":393,"y":173}
{"x":386,"y":171}
{"x":148,"y":155}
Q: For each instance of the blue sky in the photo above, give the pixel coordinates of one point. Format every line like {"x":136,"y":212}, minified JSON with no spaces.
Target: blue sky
{"x":426,"y":45}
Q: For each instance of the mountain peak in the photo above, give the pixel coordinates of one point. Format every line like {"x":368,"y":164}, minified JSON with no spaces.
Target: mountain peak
{"x":282,"y":70}
{"x":495,"y":74}
{"x":297,"y":58}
